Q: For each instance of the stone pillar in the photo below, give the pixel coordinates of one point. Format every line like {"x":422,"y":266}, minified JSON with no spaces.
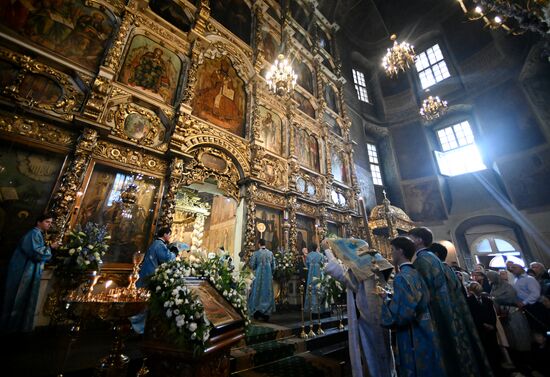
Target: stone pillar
{"x":64,"y":198}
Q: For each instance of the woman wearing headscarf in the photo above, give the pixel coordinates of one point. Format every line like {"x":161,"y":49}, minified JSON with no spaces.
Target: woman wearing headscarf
{"x":512,"y":318}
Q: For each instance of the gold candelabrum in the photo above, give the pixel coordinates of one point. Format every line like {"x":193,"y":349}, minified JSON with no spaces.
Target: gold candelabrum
{"x":340,"y":314}
{"x":114,"y":305}
{"x":319,"y":329}
{"x":311,"y":333}
{"x":303,"y":334}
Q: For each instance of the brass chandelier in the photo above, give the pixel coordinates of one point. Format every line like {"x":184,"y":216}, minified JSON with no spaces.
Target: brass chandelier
{"x":398,"y":58}
{"x":281,"y":78}
{"x":432,"y":108}
{"x":514,"y":16}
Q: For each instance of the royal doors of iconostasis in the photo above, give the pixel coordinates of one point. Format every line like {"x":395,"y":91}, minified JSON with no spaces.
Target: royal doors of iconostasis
{"x":205,"y":220}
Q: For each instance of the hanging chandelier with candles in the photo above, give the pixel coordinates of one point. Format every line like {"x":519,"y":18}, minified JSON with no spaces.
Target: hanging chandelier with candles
{"x":514,"y":16}
{"x":398,"y":58}
{"x":281,"y":78}
{"x":432,"y":108}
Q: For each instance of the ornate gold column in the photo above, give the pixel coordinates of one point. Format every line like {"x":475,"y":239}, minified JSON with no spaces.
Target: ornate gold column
{"x":250,"y":231}
{"x":112,"y":61}
{"x":192,"y":74}
{"x":322,"y":230}
{"x":292,"y":205}
{"x":64,"y":199}
{"x":198,"y":232}
{"x":168,"y":205}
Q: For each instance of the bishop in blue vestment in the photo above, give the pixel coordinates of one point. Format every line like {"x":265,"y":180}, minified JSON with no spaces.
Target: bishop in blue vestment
{"x":23,"y":279}
{"x":261,"y":302}
{"x":408,"y":314}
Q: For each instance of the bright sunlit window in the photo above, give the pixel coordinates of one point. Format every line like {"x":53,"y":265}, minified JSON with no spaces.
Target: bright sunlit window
{"x":459,"y":153}
{"x":360,"y":85}
{"x":497,"y":250}
{"x":374,"y":165}
{"x":431,"y":67}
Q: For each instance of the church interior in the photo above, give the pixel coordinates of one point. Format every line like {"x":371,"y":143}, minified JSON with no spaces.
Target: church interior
{"x":234,"y":121}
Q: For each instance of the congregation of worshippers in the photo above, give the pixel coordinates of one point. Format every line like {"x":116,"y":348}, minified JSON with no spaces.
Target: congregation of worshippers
{"x":447,"y":321}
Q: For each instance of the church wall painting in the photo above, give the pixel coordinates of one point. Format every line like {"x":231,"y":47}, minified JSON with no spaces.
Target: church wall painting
{"x":273,"y":220}
{"x":305,"y":79}
{"x":271,"y":130}
{"x":339,"y":167}
{"x":152,"y":68}
{"x":330,"y":98}
{"x":130,"y":227}
{"x":303,"y":104}
{"x":141,"y":128}
{"x":25,"y":188}
{"x":305,"y":227}
{"x":414,"y":157}
{"x":527,"y":178}
{"x":307,"y":149}
{"x":40,"y":89}
{"x":70,"y":28}
{"x":235,"y":15}
{"x":220,"y":95}
{"x":507,"y":121}
{"x":270,"y":46}
{"x":173,"y":12}
{"x":423,"y":201}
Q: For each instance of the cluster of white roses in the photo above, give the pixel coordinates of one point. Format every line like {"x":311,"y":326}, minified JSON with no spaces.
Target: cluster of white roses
{"x":177,"y":303}
{"x":285,"y":264}
{"x":184,"y":311}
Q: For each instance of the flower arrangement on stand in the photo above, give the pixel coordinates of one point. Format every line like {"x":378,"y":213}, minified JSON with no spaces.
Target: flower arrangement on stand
{"x":181,"y":310}
{"x":285,"y":268}
{"x":330,"y":290}
{"x":84,"y":249}
{"x":74,"y":262}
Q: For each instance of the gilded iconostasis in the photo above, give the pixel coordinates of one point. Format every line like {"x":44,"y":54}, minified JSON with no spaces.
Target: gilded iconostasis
{"x":122,"y":105}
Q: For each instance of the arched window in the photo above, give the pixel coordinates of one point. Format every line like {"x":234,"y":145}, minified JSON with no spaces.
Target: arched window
{"x":494,"y":251}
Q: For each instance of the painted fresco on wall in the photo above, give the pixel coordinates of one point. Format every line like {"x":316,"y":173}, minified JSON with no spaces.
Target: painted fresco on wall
{"x":305,"y":79}
{"x":305,"y":231}
{"x":508,"y":121}
{"x":271,"y":130}
{"x":366,"y":188}
{"x":25,"y":188}
{"x":234,"y":15}
{"x":220,"y":95}
{"x":8,"y":73}
{"x":41,"y":89}
{"x":528,"y":179}
{"x":424,"y":201}
{"x":340,"y":169}
{"x":270,"y":47}
{"x":173,"y":12}
{"x":334,"y":127}
{"x":414,"y":156}
{"x":330,"y":98}
{"x":304,"y":105}
{"x":307,"y":149}
{"x":141,"y":128}
{"x":130,"y":227}
{"x":70,"y":28}
{"x":273,"y":220}
{"x":152,"y":68}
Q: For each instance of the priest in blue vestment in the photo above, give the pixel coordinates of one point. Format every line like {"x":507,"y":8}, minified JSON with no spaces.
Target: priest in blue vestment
{"x":361,"y":269}
{"x":408,"y":314}
{"x":314,"y":265}
{"x":462,"y":352}
{"x":23,"y":278}
{"x":261,"y":301}
{"x":157,"y":254}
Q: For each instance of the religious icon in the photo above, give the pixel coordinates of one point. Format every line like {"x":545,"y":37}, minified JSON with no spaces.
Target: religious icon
{"x":151,"y":67}
{"x":220,"y":95}
{"x":70,"y":28}
{"x":270,"y":130}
